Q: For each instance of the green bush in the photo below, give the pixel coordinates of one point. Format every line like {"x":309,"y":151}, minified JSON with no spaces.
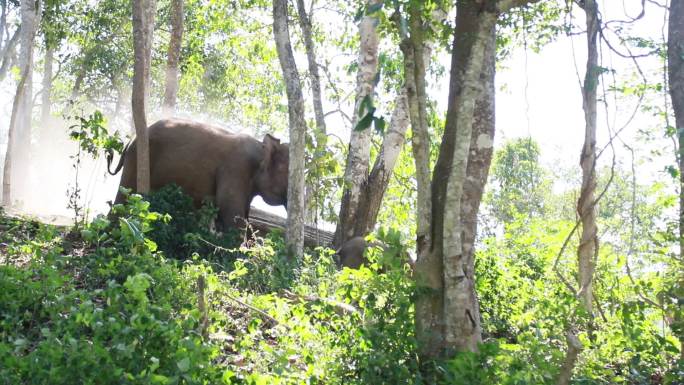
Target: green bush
{"x":188,"y":231}
{"x":111,"y":311}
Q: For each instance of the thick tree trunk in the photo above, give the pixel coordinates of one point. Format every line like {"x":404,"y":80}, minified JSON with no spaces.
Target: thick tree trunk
{"x":586,"y":205}
{"x":295,"y":103}
{"x":358,"y":158}
{"x":461,"y":313}
{"x":429,"y":266}
{"x":46,"y":100}
{"x":173,"y":57}
{"x":447,"y":314}
{"x":675,"y":62}
{"x":139,"y":94}
{"x":479,"y":160}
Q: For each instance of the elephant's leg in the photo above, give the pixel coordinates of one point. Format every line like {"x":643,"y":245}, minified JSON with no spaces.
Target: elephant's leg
{"x":232,"y":200}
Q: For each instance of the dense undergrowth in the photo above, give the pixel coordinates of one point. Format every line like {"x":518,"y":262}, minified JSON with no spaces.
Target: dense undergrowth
{"x":108,"y":305}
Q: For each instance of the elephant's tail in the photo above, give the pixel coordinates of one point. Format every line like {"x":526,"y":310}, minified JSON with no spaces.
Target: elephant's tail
{"x":110,"y":157}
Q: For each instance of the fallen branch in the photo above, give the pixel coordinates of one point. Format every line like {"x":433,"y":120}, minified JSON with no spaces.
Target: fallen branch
{"x":254,"y":309}
{"x":342,"y":307}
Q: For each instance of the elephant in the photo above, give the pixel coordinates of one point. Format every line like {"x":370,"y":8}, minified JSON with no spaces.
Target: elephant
{"x":209,"y":163}
{"x":351,"y":253}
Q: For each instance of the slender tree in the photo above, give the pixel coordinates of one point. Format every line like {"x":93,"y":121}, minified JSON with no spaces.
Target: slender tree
{"x":139,"y":97}
{"x":173,"y":57}
{"x":675,"y":65}
{"x":46,"y":100}
{"x":8,"y":52}
{"x":586,"y":205}
{"x":358,"y":158}
{"x":17,"y":157}
{"x":306,"y":26}
{"x":295,"y":103}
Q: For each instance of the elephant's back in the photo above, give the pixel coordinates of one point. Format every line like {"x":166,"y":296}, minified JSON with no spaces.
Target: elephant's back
{"x":189,"y":153}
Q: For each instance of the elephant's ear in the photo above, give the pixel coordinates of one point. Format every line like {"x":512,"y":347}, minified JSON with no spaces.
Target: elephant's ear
{"x":271,"y":144}
{"x":270,"y":140}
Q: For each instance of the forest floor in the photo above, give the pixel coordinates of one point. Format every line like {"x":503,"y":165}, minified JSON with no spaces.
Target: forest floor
{"x":101,"y":304}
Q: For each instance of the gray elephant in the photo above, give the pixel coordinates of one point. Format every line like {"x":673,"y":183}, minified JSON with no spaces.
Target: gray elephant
{"x":210,"y":163}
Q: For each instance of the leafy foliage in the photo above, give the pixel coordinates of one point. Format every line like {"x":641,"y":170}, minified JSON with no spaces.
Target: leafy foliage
{"x":185,"y":231}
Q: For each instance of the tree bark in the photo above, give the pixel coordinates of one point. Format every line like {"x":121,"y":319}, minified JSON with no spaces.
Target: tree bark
{"x":461,"y":313}
{"x":675,"y":64}
{"x":9,"y":153}
{"x":173,"y":57}
{"x":430,"y":323}
{"x":8,"y":52}
{"x":3,"y":22}
{"x":479,"y":159}
{"x":139,"y":94}
{"x":46,"y":100}
{"x":305,"y":24}
{"x":21,"y":152}
{"x":358,"y":158}
{"x":295,"y":103}
{"x":374,"y":187}
{"x":586,"y":207}
{"x":15,"y":171}
{"x":447,"y":313}
{"x":416,"y":56}
{"x":150,"y":10}
{"x":586,"y":204}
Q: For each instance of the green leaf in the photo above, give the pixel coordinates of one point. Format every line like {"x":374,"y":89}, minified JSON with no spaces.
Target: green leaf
{"x":183,"y":365}
{"x":358,"y":15}
{"x":371,"y":9}
{"x":379,"y":125}
{"x":366,"y":104}
{"x":366,"y":121}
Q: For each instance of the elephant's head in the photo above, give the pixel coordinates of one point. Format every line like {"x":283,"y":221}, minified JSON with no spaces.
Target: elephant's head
{"x":271,"y":182}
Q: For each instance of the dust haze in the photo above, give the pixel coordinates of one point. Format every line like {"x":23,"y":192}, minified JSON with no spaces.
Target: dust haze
{"x":52,"y":171}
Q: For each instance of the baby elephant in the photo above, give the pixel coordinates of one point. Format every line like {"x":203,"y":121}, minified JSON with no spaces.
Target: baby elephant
{"x":351,"y":253}
{"x":210,"y":163}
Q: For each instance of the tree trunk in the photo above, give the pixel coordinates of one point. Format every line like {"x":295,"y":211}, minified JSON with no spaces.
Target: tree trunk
{"x":21,"y":152}
{"x":305,"y":23}
{"x":46,"y":99}
{"x":479,"y":160}
{"x":358,"y":158}
{"x":374,"y":187}
{"x":8,"y":52}
{"x":9,"y":153}
{"x":429,"y":266}
{"x":173,"y":56}
{"x":3,"y":22}
{"x":586,"y":205}
{"x":139,"y":94}
{"x":461,"y":313}
{"x":295,"y":103}
{"x":447,"y":314}
{"x":150,"y":10}
{"x":16,"y":164}
{"x":675,"y":62}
